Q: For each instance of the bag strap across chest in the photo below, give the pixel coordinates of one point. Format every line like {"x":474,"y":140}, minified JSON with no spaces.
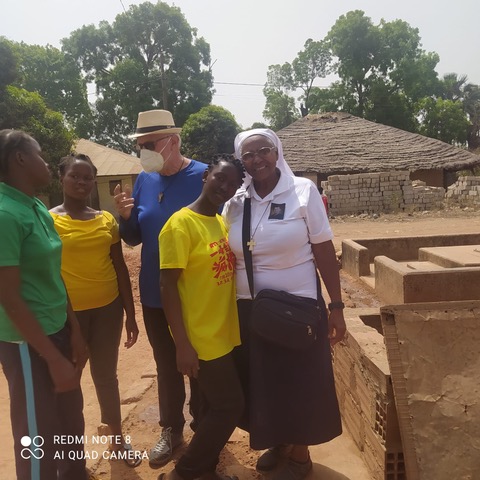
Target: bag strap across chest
{"x":247,"y":253}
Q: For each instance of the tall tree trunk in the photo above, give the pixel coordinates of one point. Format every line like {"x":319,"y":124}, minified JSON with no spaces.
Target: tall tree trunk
{"x":473,"y":137}
{"x":163,"y":80}
{"x":360,"y":100}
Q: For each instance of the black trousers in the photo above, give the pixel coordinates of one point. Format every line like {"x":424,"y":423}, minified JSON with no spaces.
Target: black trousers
{"x":223,"y":405}
{"x":40,"y":414}
{"x":170,"y":382}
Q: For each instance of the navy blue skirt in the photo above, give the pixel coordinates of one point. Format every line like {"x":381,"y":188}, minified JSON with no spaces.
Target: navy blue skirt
{"x":290,"y":394}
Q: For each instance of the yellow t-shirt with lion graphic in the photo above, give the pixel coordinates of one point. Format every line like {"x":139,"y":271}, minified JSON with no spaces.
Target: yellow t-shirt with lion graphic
{"x":198,"y":245}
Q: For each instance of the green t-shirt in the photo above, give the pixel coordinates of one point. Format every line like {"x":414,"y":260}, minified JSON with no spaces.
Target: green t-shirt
{"x":29,"y":241}
{"x":198,"y":245}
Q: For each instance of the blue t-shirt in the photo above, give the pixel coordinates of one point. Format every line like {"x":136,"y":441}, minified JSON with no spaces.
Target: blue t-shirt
{"x":157,"y":198}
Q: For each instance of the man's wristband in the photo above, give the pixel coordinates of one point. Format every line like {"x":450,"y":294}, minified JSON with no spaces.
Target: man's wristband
{"x":336,"y":305}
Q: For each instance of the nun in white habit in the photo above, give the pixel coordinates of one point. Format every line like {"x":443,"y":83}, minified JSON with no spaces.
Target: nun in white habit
{"x":290,"y":394}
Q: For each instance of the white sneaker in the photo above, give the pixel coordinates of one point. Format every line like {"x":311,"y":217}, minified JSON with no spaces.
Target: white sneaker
{"x":162,"y":452}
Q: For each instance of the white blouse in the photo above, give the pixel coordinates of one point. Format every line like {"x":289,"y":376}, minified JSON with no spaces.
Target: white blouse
{"x":284,"y":224}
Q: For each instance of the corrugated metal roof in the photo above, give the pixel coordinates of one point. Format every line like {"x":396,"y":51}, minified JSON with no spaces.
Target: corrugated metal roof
{"x":340,"y":143}
{"x":109,"y":162}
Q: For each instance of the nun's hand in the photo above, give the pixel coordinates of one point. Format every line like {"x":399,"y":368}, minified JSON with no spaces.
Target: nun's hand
{"x":336,"y":326}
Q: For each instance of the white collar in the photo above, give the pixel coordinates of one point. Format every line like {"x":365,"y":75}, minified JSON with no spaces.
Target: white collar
{"x":284,"y":183}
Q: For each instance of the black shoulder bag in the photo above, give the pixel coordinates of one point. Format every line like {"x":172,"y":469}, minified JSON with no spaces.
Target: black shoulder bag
{"x":279,"y":317}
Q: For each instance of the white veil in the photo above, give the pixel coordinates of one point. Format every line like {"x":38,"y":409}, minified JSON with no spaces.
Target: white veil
{"x":271,"y":135}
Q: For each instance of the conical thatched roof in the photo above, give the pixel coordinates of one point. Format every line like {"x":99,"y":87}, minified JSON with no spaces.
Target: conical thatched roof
{"x":340,"y":143}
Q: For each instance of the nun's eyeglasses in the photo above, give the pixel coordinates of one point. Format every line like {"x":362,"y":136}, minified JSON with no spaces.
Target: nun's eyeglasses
{"x":261,"y":152}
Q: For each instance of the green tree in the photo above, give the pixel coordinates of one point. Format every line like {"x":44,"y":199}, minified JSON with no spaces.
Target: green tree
{"x":390,"y":107}
{"x":258,"y":125}
{"x":456,"y":88}
{"x":356,"y":43}
{"x":57,"y":78}
{"x":208,"y":132}
{"x":280,"y":110}
{"x":382,"y":68}
{"x":443,"y":119}
{"x":416,"y":78}
{"x":471,"y":104}
{"x":8,"y":63}
{"x":452,"y":86}
{"x":23,"y":110}
{"x":309,"y":64}
{"x":148,"y":58}
{"x":336,"y":98}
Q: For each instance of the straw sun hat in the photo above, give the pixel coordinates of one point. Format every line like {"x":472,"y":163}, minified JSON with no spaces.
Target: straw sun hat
{"x":155,"y":121}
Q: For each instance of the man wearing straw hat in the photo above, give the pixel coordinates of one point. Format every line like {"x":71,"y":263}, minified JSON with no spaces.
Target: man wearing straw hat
{"x":169,"y":182}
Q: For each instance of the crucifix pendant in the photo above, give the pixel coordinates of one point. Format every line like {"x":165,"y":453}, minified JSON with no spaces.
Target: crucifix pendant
{"x":251,"y":244}
{"x":160,"y":197}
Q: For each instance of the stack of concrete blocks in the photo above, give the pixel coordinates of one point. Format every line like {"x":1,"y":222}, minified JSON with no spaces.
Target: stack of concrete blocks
{"x":465,"y":191}
{"x":427,"y":198}
{"x":379,"y":193}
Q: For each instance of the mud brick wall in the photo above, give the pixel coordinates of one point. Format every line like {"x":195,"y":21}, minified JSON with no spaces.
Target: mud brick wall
{"x":465,"y":191}
{"x":365,"y":395}
{"x":379,"y":192}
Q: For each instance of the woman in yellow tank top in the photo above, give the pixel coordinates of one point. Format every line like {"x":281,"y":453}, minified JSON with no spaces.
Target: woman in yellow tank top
{"x":99,"y":288}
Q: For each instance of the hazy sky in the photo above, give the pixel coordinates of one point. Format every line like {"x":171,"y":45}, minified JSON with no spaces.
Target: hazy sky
{"x":249,"y":35}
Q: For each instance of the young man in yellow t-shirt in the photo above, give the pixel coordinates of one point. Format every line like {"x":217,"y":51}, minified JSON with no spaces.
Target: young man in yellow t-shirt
{"x":198,"y":293}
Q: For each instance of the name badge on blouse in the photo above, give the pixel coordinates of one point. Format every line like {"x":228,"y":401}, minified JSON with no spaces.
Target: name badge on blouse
{"x":277,"y":211}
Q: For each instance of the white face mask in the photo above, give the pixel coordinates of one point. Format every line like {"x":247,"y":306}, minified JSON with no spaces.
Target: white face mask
{"x":152,"y":161}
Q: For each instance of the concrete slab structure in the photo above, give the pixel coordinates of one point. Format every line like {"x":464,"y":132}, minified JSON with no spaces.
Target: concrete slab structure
{"x":396,"y":283}
{"x":452,"y":257}
{"x":433,"y":352}
{"x":417,"y":269}
{"x":432,"y":356}
{"x":359,"y":255}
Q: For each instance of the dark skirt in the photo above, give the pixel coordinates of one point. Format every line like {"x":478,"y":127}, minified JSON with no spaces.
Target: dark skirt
{"x":290,"y":394}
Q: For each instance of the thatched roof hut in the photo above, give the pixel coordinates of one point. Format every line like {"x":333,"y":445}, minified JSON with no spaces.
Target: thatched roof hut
{"x":114,"y":167}
{"x":109,"y":162}
{"x":340,"y":143}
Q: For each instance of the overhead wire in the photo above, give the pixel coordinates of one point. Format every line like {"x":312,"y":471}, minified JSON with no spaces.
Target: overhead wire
{"x":240,"y":84}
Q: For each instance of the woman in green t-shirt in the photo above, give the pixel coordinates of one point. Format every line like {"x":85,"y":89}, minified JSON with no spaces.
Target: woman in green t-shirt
{"x":42,"y":352}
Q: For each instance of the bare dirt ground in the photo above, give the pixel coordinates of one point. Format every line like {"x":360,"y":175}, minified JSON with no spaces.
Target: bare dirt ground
{"x":137,"y":371}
